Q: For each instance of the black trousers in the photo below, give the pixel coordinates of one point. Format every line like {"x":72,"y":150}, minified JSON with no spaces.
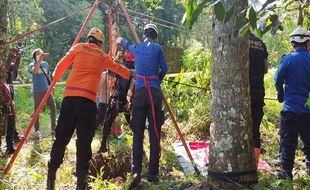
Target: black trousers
{"x":257,"y":104}
{"x":141,"y":111}
{"x":293,"y":125}
{"x":76,"y":113}
{"x":11,"y":132}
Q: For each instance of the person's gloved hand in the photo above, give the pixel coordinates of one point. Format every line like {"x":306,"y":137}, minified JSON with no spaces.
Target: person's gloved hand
{"x":118,"y":40}
{"x":280,"y":97}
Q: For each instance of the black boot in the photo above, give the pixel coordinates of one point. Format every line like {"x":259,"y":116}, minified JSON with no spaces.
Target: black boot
{"x":82,"y":183}
{"x":51,"y":176}
{"x":135,"y":181}
{"x":109,"y":119}
{"x":50,"y":184}
{"x":103,"y":147}
{"x":286,"y":170}
{"x":10,"y":151}
{"x":308,"y":168}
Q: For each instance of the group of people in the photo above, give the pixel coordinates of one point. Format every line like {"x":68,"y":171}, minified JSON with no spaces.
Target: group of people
{"x":292,"y":82}
{"x":78,"y":108}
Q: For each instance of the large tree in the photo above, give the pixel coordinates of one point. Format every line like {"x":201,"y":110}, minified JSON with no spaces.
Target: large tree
{"x":3,"y":31}
{"x":232,"y":161}
{"x":3,"y":65}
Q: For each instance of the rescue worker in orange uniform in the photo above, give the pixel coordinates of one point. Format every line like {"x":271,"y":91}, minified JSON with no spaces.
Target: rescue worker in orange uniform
{"x":78,"y":109}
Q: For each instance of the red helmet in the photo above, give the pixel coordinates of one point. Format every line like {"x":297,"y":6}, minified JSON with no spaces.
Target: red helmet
{"x":129,"y":56}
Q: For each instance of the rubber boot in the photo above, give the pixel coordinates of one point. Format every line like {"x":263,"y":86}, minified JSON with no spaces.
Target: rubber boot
{"x":106,"y":132}
{"x":286,"y":171}
{"x":51,"y":176}
{"x":103,"y":147}
{"x":136,"y":179}
{"x":50,"y":184}
{"x":257,"y":155}
{"x":10,"y":135}
{"x":82,"y":183}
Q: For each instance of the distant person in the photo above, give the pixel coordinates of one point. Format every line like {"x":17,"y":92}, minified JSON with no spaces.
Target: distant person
{"x":258,"y":56}
{"x":292,"y":81}
{"x":151,"y":68}
{"x":78,"y":108}
{"x":40,"y":84}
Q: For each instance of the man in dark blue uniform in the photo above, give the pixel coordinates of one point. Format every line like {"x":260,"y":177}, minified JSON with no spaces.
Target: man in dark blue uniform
{"x":258,"y":56}
{"x":150,"y":70}
{"x":293,"y":72}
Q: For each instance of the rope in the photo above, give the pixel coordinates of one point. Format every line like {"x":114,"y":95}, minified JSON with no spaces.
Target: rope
{"x":189,"y":85}
{"x":165,"y":21}
{"x":148,"y":89}
{"x":45,"y":26}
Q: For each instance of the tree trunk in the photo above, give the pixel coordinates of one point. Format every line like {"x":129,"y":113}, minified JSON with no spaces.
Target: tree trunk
{"x":3,"y":30}
{"x":232,"y":160}
{"x":3,"y":65}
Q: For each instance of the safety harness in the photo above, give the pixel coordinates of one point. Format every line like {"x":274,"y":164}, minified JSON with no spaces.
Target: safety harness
{"x":146,"y":80}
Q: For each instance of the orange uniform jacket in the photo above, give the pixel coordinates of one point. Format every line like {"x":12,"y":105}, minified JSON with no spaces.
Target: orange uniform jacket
{"x":88,"y":62}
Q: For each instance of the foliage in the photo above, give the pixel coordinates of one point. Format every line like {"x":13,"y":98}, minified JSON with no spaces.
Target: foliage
{"x":260,"y":21}
{"x":279,"y":44}
{"x":308,"y":102}
{"x":58,"y":39}
{"x":197,"y":58}
{"x":189,"y":91}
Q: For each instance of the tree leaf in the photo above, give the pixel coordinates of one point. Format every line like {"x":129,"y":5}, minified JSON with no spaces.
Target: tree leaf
{"x":198,"y":11}
{"x":189,"y":10}
{"x":244,"y":29}
{"x":257,"y":32}
{"x":219,"y":11}
{"x":241,"y":18}
{"x":308,"y":101}
{"x":229,"y":13}
{"x":253,"y":18}
{"x":193,"y":10}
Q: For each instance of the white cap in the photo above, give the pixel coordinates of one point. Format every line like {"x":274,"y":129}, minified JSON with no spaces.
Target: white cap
{"x":299,"y":35}
{"x":151,"y":26}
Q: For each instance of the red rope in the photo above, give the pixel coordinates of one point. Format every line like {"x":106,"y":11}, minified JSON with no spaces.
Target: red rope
{"x":45,"y":26}
{"x":148,"y":88}
{"x":47,"y":94}
{"x":129,"y":22}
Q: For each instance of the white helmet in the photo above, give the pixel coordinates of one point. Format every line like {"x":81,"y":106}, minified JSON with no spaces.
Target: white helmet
{"x":151,"y":26}
{"x":299,"y":35}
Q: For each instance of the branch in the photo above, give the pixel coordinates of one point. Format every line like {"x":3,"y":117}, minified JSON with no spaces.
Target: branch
{"x":288,"y":4}
{"x":293,"y":9}
{"x":266,"y":4}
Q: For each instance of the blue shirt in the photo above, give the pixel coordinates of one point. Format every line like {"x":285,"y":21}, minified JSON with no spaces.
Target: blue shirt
{"x":150,"y":61}
{"x":294,"y":73}
{"x":39,"y":80}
